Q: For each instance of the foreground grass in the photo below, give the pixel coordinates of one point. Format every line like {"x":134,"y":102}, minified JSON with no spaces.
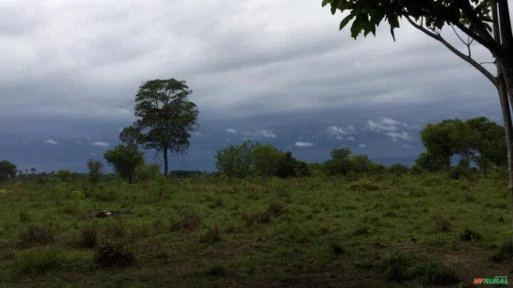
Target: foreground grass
{"x":376,"y":231}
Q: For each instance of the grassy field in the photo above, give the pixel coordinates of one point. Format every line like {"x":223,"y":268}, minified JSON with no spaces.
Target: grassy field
{"x":373,"y":231}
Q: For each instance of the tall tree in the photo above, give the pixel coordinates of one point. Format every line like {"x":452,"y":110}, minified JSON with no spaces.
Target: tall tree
{"x":165,"y":118}
{"x":485,"y":22}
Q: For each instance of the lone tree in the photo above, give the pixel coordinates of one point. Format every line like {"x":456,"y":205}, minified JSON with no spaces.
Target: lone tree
{"x":483,"y":22}
{"x":165,"y":118}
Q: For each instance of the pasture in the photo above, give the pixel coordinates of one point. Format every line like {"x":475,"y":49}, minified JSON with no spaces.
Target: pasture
{"x":368,"y":231}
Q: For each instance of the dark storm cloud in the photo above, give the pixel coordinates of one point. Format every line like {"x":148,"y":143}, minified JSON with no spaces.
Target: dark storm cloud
{"x":70,"y":70}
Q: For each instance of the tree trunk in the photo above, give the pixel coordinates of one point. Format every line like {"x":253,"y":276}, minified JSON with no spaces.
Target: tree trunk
{"x":165,"y":161}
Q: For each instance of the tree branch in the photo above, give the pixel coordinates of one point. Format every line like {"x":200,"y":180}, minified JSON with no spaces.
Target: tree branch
{"x":453,"y":49}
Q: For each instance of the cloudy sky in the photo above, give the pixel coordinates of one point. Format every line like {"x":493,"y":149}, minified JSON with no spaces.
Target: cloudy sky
{"x":264,"y":70}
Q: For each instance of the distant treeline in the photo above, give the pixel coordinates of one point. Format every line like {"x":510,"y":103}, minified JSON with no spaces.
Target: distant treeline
{"x":478,"y":144}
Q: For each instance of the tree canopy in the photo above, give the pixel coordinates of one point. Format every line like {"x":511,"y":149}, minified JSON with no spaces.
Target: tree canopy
{"x":125,"y":159}
{"x":165,"y":118}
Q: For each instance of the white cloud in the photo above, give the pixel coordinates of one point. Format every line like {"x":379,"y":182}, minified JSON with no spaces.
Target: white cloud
{"x":303,"y":144}
{"x":385,"y":124}
{"x":362,"y":146}
{"x":406,"y":146}
{"x":350,"y":138}
{"x":261,"y":134}
{"x":100,"y":144}
{"x":231,"y":131}
{"x":339,"y":132}
{"x":51,"y":142}
{"x":399,"y":136}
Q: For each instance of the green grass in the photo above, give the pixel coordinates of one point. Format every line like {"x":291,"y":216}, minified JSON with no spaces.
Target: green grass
{"x":372,"y":231}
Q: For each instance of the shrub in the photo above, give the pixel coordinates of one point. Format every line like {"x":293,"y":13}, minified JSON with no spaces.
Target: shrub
{"x":89,"y":237}
{"x":36,"y":235}
{"x":114,"y":255}
{"x":398,"y":169}
{"x":125,"y":159}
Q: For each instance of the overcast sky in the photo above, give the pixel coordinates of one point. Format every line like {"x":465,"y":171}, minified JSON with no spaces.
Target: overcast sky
{"x":264,"y":70}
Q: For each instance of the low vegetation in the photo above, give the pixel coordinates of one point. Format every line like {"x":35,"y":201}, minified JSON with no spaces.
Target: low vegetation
{"x":413,"y":230}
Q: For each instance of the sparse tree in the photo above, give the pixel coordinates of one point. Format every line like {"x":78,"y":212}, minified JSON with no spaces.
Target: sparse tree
{"x":95,"y":170}
{"x":125,"y":159}
{"x":165,"y":118}
{"x":7,"y":170}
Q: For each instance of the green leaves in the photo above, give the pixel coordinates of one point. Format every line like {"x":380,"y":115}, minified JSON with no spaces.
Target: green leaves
{"x":364,"y":16}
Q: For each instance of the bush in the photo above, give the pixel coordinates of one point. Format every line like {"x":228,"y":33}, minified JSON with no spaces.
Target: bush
{"x":36,"y":235}
{"x":114,"y":255}
{"x":398,"y":169}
